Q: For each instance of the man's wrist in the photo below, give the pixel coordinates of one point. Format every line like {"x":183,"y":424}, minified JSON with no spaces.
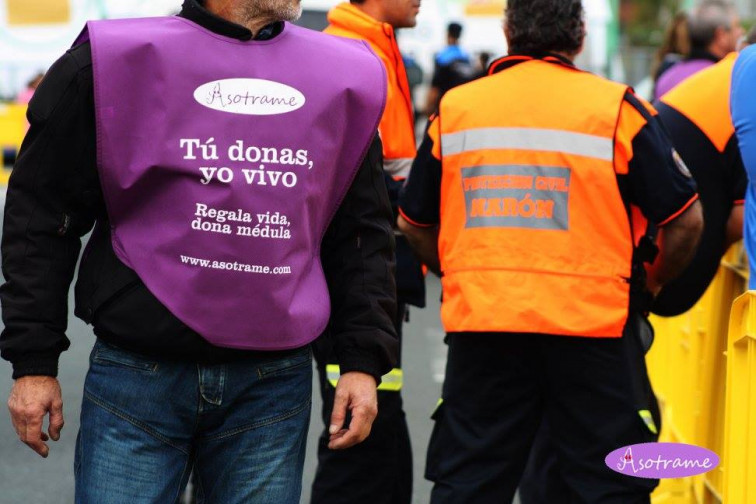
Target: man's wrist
{"x":38,"y":365}
{"x":363,"y":365}
{"x":365,"y":375}
{"x":374,"y":353}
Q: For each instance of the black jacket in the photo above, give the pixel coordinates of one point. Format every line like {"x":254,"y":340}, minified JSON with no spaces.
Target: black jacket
{"x":54,"y":198}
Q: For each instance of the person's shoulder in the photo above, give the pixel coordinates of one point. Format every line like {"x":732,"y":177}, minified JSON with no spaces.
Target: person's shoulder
{"x":331,"y":40}
{"x":741,"y":94}
{"x":745,"y":66}
{"x":338,"y":53}
{"x":451,"y":54}
{"x":71,"y":69}
{"x":81,"y":55}
{"x":749,"y":53}
{"x":442,"y":55}
{"x":595,"y":89}
{"x":71,"y":63}
{"x":669,"y":77}
{"x":639,"y":104}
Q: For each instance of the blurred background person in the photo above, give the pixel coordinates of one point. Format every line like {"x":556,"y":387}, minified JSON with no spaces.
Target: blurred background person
{"x":674,"y":48}
{"x":25,"y":96}
{"x":697,"y":117}
{"x":715,"y":30}
{"x":415,"y":78}
{"x":452,"y":67}
{"x":484,"y":58}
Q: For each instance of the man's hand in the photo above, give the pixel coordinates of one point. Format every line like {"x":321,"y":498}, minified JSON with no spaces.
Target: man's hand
{"x":31,"y":398}
{"x":357,"y":393}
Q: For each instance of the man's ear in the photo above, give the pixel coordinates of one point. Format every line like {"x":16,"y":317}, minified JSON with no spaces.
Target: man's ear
{"x":582,"y":42}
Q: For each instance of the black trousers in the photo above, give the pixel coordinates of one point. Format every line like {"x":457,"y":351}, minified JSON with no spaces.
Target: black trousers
{"x":376,"y":471}
{"x":499,"y":387}
{"x":542,"y":481}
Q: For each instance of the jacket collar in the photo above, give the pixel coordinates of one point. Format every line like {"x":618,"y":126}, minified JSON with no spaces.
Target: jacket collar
{"x":515,"y":59}
{"x":195,"y":11}
{"x":701,"y":54}
{"x":351,"y":18}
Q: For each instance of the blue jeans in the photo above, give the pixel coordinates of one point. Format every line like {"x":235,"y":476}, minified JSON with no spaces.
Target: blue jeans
{"x":146,"y":423}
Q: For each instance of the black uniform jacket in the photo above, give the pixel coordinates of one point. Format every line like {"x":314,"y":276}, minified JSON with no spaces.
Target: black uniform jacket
{"x":54,"y":198}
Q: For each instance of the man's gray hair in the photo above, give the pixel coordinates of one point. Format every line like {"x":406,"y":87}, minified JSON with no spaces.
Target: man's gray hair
{"x":706,"y":18}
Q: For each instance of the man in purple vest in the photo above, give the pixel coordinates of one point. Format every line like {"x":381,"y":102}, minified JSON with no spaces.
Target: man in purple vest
{"x":715,"y":30}
{"x":239,"y":210}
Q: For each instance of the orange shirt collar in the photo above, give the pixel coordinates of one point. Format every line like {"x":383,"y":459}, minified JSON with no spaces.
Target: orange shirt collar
{"x":349,"y":17}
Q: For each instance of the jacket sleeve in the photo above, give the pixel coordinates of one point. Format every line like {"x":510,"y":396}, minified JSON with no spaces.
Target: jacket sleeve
{"x":358,"y":260}
{"x":743,"y":108}
{"x":44,"y":217}
{"x":394,"y":187}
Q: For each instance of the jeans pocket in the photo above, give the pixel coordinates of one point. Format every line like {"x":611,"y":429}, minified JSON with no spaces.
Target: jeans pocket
{"x":110,"y":355}
{"x":274,"y":367}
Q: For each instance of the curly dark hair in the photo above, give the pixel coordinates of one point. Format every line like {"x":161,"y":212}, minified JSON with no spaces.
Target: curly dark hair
{"x":538,"y":26}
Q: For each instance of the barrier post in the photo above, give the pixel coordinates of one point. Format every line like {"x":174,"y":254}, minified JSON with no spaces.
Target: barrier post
{"x":740,"y":410}
{"x":689,"y":370}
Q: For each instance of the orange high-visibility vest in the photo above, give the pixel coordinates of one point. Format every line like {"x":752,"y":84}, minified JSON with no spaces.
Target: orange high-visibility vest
{"x":534,"y":234}
{"x":704,"y":99}
{"x":397,"y":127}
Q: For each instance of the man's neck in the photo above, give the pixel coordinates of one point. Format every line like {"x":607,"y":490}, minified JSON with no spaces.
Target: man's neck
{"x":372,"y":9}
{"x":717,"y":51}
{"x":568,"y":56}
{"x":705,"y":53}
{"x":230,"y":11}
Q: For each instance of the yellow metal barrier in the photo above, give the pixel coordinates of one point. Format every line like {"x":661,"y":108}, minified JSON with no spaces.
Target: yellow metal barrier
{"x":12,"y":131}
{"x":740,"y":417}
{"x":688,"y":365}
{"x":12,"y":125}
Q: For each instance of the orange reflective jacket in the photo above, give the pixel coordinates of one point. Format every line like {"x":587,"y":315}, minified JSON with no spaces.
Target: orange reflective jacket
{"x":534,"y":234}
{"x":704,"y":99}
{"x":397,"y":127}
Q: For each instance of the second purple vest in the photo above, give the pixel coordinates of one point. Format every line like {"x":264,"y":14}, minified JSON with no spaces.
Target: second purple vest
{"x":222,"y":163}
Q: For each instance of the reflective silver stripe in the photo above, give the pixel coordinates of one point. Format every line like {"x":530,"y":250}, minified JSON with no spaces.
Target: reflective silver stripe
{"x":534,"y":139}
{"x":399,"y":167}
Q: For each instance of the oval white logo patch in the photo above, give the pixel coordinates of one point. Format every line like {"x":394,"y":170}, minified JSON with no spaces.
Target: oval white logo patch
{"x":249,"y":96}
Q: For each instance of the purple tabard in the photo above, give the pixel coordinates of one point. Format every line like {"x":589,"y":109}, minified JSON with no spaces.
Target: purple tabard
{"x":222,"y":163}
{"x":678,"y":73}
